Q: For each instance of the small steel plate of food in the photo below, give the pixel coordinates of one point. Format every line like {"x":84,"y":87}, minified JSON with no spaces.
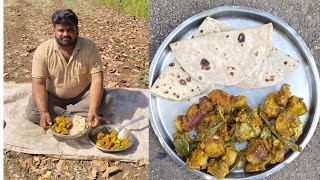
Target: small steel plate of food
{"x":107,"y":138}
{"x":204,"y":112}
{"x":72,"y":126}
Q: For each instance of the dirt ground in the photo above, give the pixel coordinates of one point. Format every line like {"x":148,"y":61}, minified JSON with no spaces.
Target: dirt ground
{"x":122,"y":40}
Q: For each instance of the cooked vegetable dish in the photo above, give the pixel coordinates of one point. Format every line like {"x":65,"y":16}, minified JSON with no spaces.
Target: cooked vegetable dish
{"x":219,"y":121}
{"x":110,"y":141}
{"x":61,"y":125}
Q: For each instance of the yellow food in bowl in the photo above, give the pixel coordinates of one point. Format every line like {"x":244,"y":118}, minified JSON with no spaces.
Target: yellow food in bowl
{"x":110,"y":141}
{"x":62,"y":125}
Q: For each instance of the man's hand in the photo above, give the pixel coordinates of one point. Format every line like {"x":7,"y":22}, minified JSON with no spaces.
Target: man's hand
{"x":45,"y":120}
{"x":94,"y":119}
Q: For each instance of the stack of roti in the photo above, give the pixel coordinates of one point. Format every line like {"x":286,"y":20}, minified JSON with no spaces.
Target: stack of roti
{"x":217,"y":54}
{"x":79,"y":125}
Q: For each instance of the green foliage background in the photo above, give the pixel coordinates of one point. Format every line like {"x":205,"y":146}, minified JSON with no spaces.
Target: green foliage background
{"x":137,"y":8}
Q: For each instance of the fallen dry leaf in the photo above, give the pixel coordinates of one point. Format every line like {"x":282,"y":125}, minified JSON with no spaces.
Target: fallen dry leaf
{"x":104,"y":167}
{"x":93,"y":173}
{"x":125,"y":174}
{"x":97,"y":163}
{"x":24,"y":54}
{"x":110,"y":170}
{"x":46,"y":175}
{"x":27,"y":163}
{"x":142,"y":162}
{"x":60,"y":166}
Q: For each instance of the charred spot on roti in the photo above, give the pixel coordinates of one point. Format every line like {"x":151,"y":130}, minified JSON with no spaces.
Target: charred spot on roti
{"x":182,"y":68}
{"x":201,"y":31}
{"x":271,"y":78}
{"x":157,"y":86}
{"x":231,"y":67}
{"x":178,"y":76}
{"x":198,"y":52}
{"x":170,"y":87}
{"x":178,"y":96}
{"x":183,"y":82}
{"x":241,"y":37}
{"x":189,"y":79}
{"x":286,"y":62}
{"x":257,"y":53}
{"x":205,"y":64}
{"x":241,"y":45}
{"x":192,"y":90}
{"x":288,"y":55}
{"x":166,"y":92}
{"x":164,"y":84}
{"x":231,"y":73}
{"x":171,"y":64}
{"x":227,"y":36}
{"x":200,"y":78}
{"x":216,"y":48}
{"x":174,"y":94}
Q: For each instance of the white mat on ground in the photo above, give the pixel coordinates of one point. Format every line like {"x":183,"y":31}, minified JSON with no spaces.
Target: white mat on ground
{"x":23,"y":136}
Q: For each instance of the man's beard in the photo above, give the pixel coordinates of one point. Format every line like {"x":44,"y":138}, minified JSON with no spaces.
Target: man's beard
{"x":67,"y":42}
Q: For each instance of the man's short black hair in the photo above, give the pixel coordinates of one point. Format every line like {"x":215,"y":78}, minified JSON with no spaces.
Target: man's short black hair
{"x":64,"y":16}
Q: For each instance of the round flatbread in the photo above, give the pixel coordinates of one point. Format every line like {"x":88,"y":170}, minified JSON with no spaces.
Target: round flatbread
{"x":224,"y":58}
{"x":175,"y":84}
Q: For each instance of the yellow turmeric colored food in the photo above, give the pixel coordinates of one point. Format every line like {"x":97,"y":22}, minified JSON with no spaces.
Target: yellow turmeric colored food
{"x":110,"y":141}
{"x":62,"y":125}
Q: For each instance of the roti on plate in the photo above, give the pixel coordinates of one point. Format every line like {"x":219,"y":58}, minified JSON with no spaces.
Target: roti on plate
{"x":224,"y":58}
{"x":272,"y":71}
{"x":175,"y":84}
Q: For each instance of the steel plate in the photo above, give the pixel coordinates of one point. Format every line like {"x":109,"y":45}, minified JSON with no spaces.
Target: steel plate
{"x":304,"y":81}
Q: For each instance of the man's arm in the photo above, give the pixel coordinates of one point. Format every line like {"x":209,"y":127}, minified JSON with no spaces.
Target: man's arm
{"x":40,"y":98}
{"x":96,"y":91}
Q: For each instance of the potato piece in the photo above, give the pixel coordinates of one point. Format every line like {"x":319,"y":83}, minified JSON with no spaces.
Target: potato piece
{"x":289,"y":125}
{"x":297,"y":106}
{"x":205,"y":104}
{"x":218,"y":169}
{"x":257,"y":151}
{"x":222,"y":99}
{"x":230,"y":155}
{"x":276,"y":155}
{"x":269,"y":106}
{"x":178,"y":124}
{"x":197,"y":160}
{"x":282,"y":96}
{"x":248,"y":167}
{"x":238,"y":102}
{"x":213,"y":146}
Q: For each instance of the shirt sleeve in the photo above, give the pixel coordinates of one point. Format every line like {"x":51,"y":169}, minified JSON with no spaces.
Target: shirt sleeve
{"x":39,"y":65}
{"x":95,"y":63}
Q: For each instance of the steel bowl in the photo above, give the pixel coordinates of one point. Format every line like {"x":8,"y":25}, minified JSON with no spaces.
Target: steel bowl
{"x":74,"y":135}
{"x":123,"y":134}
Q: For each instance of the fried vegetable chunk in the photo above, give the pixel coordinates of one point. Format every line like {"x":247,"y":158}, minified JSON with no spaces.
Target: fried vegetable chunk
{"x":192,"y":117}
{"x":205,"y":104}
{"x":269,"y":106}
{"x":197,"y":160}
{"x":218,"y":169}
{"x":238,"y":102}
{"x":221,"y":99}
{"x":289,"y":125}
{"x":243,"y":132}
{"x":179,"y":125}
{"x":282,"y":96}
{"x":230,"y":155}
{"x":257,"y":151}
{"x":248,"y":167}
{"x":276,"y":155}
{"x":297,"y":106}
{"x":213,"y":146}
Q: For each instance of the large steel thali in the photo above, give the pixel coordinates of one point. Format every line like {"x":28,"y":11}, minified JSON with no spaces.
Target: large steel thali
{"x":304,"y":81}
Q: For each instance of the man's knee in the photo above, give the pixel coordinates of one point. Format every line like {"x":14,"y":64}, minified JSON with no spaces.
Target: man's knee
{"x":32,"y":113}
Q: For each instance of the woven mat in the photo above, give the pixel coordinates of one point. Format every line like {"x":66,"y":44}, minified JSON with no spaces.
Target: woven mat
{"x":23,"y":136}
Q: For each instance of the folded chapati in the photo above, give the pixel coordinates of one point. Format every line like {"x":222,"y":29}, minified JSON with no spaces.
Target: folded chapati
{"x":224,"y":58}
{"x":272,"y":71}
{"x":175,"y":84}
